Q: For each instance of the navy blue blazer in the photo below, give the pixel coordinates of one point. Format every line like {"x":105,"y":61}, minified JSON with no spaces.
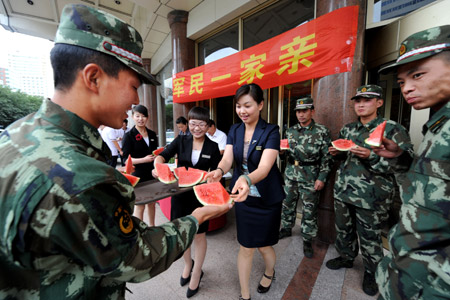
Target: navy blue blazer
{"x":266,"y":136}
{"x":134,"y":144}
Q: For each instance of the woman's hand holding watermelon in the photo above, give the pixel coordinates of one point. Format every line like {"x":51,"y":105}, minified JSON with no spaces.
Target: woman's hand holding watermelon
{"x":214,"y":176}
{"x":208,"y":212}
{"x":240,"y":190}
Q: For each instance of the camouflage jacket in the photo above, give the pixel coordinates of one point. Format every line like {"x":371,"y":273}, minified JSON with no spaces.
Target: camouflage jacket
{"x":423,"y":233}
{"x":308,"y":145}
{"x":369,"y":183}
{"x":66,"y":230}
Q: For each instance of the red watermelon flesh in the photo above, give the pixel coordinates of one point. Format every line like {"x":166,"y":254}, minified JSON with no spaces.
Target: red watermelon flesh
{"x":132,"y":179}
{"x":165,"y":175}
{"x":178,"y":170}
{"x":343,"y":144}
{"x":129,"y":165}
{"x":189,"y":178}
{"x":158,"y":151}
{"x":284,"y":144}
{"x":212,"y":194}
{"x":200,"y":171}
{"x":376,"y":136}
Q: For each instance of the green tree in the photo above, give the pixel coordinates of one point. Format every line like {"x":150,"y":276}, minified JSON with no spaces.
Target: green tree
{"x":169,"y":116}
{"x":15,"y":105}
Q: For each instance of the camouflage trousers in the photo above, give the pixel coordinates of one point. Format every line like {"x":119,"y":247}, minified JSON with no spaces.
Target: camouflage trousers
{"x":309,"y":199}
{"x":411,"y":270}
{"x":353,"y":222}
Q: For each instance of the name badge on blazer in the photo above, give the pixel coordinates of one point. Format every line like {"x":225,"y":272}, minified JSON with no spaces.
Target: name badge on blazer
{"x":206,"y":156}
{"x":258,"y":148}
{"x":152,"y":140}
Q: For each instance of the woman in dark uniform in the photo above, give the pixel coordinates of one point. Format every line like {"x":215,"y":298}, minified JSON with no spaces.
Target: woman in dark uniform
{"x":254,"y":145}
{"x":195,"y":151}
{"x":140,"y":142}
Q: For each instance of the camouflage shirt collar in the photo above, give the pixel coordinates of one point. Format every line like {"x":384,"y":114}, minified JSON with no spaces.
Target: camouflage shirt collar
{"x":438,"y":119}
{"x":70,"y":122}
{"x":372,"y":124}
{"x":309,"y":127}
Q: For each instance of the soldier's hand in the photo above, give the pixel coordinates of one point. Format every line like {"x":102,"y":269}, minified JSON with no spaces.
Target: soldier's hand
{"x":318,"y":185}
{"x":208,"y":212}
{"x":388,"y":149}
{"x":333,"y":151}
{"x":154,"y":173}
{"x":360,"y":152}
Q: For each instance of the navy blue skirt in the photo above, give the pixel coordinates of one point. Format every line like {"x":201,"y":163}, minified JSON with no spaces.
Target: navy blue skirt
{"x":257,"y":223}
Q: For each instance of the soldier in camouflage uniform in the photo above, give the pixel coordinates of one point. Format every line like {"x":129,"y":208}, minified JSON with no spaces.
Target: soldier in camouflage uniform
{"x":308,"y":165}
{"x":418,"y":265}
{"x":66,"y":225}
{"x":364,"y":187}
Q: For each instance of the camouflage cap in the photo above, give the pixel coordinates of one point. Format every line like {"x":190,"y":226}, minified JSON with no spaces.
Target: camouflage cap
{"x":369,"y":91}
{"x":304,"y":103}
{"x":421,"y":45}
{"x":91,"y":28}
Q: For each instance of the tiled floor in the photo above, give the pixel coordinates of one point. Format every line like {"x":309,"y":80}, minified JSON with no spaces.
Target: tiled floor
{"x":296,"y":277}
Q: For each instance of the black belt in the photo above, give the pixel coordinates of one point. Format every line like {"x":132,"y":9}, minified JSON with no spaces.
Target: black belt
{"x":294,"y":162}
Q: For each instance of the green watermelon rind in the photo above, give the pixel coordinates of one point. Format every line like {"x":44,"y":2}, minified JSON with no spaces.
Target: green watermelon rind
{"x":197,"y":189}
{"x":371,"y":143}
{"x":341,"y":148}
{"x":169,"y":180}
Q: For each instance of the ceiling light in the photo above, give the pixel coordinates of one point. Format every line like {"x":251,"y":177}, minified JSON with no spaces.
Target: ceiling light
{"x":30,"y":2}
{"x":117,"y":2}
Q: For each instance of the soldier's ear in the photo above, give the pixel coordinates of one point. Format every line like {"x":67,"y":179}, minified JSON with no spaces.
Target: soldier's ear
{"x":92,"y":75}
{"x":380,"y":102}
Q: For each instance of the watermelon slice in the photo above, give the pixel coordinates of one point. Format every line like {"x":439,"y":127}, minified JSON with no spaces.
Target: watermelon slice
{"x":158,"y":151}
{"x":343,"y":145}
{"x":165,"y":175}
{"x":178,"y":170}
{"x":200,"y":171}
{"x":129,"y":165}
{"x":189,"y":178}
{"x":284,"y":144}
{"x":212,"y":194}
{"x":132,"y":179}
{"x":376,"y":136}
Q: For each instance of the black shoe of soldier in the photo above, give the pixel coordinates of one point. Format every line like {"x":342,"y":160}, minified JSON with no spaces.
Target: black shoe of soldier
{"x":369,"y":284}
{"x":284,"y":233}
{"x":338,"y":263}
{"x":308,"y":249}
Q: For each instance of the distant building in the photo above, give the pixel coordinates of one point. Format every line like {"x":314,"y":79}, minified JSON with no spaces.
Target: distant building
{"x":29,"y":73}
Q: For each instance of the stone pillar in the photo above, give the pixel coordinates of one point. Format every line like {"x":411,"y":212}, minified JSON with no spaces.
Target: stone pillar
{"x":183,"y":55}
{"x":332,"y":95}
{"x":149,"y":100}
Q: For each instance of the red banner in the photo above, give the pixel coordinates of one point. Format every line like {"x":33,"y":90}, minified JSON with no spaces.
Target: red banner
{"x":321,"y":47}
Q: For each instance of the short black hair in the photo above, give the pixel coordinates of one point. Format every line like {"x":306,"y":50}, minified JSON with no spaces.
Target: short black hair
{"x":67,"y":60}
{"x":181,"y":120}
{"x":125,"y":121}
{"x":199,"y":113}
{"x":211,"y":123}
{"x":251,"y":89}
{"x":141,"y":109}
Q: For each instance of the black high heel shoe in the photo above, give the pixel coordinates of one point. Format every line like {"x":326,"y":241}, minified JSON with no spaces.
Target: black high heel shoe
{"x":183,"y":280}
{"x":264,"y":289}
{"x":190,"y":292}
{"x":240,"y":298}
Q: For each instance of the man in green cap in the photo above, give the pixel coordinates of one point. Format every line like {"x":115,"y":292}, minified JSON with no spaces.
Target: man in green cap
{"x":66,"y":225}
{"x":364,"y":186}
{"x":418,"y":265}
{"x":308,"y":165}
